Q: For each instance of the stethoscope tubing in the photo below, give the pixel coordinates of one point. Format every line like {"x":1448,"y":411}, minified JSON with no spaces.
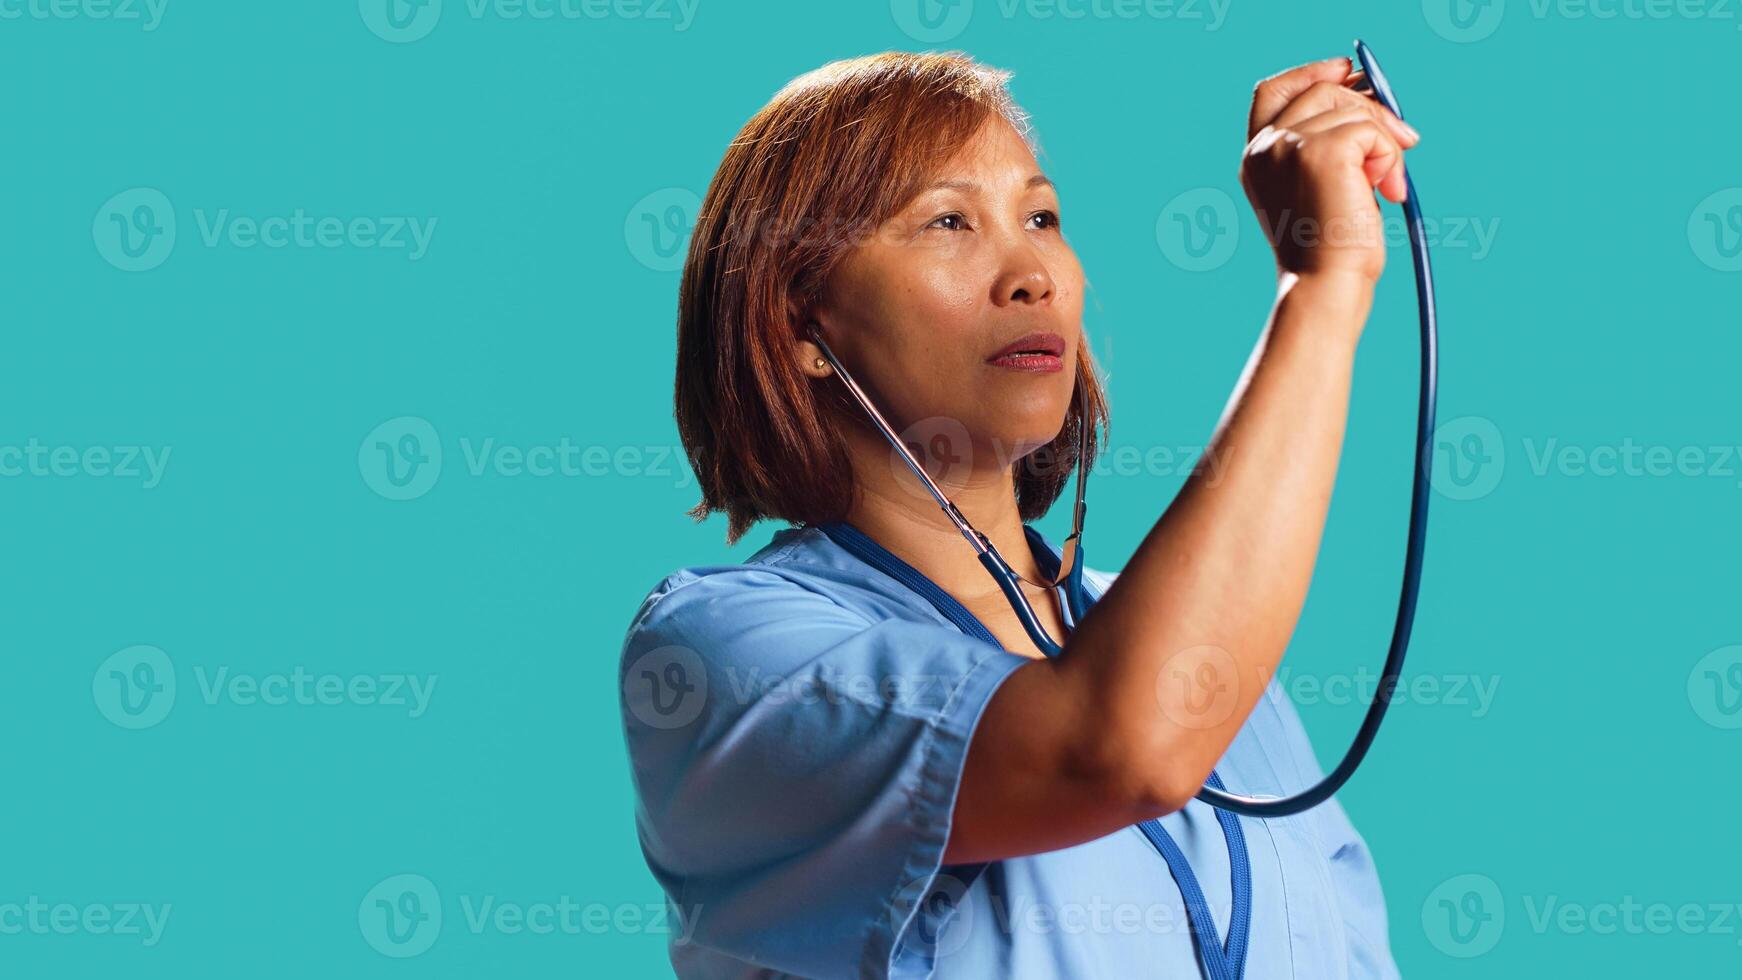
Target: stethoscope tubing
{"x":1420,"y":495}
{"x":1070,"y":580}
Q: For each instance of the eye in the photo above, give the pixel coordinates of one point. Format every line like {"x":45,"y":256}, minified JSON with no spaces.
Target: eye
{"x":954,"y":221}
{"x":1049,"y":220}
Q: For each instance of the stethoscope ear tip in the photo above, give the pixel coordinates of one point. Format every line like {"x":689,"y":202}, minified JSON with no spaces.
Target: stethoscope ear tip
{"x":1373,"y":79}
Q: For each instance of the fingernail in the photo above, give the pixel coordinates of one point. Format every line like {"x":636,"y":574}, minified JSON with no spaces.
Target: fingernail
{"x":1410,"y":130}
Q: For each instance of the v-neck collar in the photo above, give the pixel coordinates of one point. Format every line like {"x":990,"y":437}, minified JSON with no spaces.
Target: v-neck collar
{"x":867,"y":550}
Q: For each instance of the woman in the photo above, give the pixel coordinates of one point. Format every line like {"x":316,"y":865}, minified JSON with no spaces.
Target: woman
{"x":851,"y":758}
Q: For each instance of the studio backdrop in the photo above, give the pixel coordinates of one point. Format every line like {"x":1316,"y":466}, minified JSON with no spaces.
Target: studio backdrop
{"x":337,"y":450}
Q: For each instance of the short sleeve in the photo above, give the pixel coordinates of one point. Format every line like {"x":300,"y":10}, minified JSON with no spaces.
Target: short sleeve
{"x":796,"y":764}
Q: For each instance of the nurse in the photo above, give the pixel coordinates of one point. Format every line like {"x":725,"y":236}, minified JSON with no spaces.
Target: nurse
{"x":850,"y":759}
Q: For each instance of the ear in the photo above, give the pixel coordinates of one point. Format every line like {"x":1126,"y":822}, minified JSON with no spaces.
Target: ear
{"x":810,"y":356}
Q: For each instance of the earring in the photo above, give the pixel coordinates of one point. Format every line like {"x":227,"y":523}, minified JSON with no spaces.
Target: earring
{"x":820,"y":363}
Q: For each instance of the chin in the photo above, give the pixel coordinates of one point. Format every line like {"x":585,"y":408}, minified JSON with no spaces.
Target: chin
{"x":1010,"y":443}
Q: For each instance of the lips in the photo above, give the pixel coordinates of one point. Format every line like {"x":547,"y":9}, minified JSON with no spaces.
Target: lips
{"x":1039,"y":352}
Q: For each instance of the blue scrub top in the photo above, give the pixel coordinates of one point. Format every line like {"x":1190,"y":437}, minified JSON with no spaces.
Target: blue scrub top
{"x":797,"y":727}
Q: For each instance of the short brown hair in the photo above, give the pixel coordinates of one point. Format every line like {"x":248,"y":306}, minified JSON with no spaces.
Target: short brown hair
{"x":832,"y":156}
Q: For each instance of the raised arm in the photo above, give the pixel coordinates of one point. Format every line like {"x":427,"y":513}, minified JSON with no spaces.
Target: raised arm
{"x":1148,"y":693}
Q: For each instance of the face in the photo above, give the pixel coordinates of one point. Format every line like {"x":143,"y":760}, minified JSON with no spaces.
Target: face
{"x":931,"y":313}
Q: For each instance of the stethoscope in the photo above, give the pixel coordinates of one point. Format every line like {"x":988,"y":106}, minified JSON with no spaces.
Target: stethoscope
{"x":1070,"y":571}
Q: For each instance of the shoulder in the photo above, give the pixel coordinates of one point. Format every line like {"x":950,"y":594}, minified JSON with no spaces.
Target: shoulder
{"x":784,"y":606}
{"x":789,"y":580}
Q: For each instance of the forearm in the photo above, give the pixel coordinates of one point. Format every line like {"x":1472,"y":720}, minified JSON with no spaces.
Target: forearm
{"x":1177,"y":653}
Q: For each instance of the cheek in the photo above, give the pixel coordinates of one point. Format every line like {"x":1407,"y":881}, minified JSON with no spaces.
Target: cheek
{"x":926,"y":319}
{"x":907,"y":329}
{"x":944,"y":298}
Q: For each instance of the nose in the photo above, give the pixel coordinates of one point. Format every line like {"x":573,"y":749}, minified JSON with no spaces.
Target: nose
{"x":1023,"y":277}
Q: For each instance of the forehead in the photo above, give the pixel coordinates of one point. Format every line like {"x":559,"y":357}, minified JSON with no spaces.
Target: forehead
{"x":996,"y":148}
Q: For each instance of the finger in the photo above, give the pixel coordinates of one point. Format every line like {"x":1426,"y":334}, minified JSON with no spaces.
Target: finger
{"x":1274,"y":93}
{"x":1380,"y":154}
{"x":1327,"y":121}
{"x":1394,"y":186}
{"x":1323,"y":97}
{"x":1359,"y":83}
{"x":1330,"y":119}
{"x":1390,"y":184}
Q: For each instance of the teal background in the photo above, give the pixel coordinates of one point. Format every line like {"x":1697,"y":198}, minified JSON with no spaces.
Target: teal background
{"x":1600,"y":608}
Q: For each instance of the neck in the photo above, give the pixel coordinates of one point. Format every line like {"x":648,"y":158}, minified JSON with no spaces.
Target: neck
{"x":896,"y":510}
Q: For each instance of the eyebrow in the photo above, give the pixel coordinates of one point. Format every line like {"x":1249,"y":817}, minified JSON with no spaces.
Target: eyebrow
{"x":1038,"y":180}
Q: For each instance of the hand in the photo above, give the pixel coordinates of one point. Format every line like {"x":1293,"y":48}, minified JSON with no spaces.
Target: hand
{"x":1316,"y":151}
